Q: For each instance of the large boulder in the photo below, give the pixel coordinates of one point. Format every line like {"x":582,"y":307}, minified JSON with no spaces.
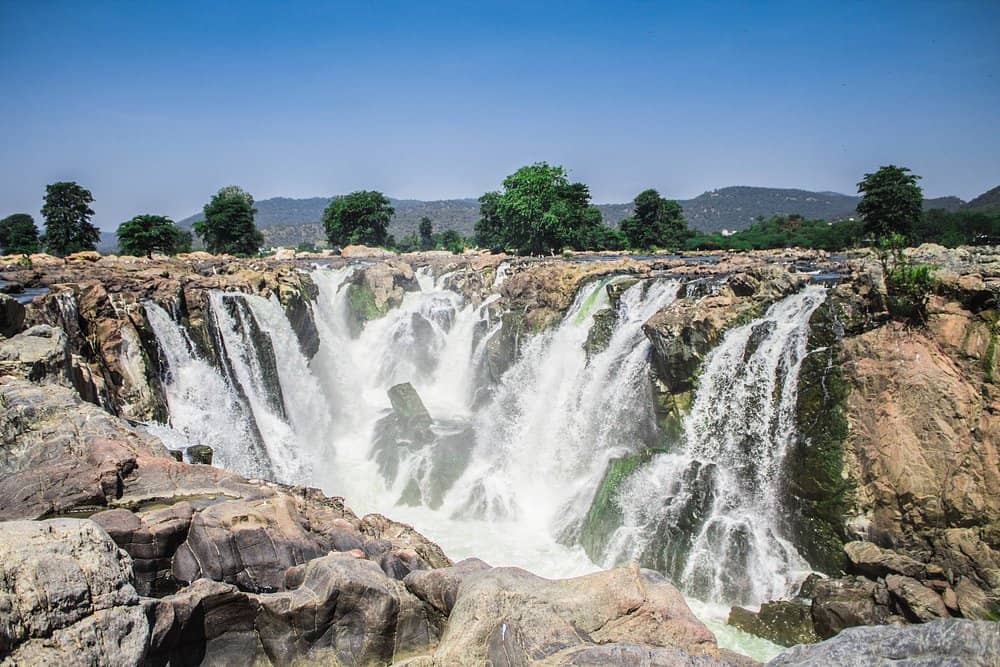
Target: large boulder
{"x":38,"y":353}
{"x":344,"y":610}
{"x":507,"y":616}
{"x":843,"y":603}
{"x":784,"y":622}
{"x":945,"y":642}
{"x":66,"y":596}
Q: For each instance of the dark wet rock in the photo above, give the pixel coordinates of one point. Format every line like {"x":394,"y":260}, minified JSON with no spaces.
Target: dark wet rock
{"x":11,"y":316}
{"x":783,"y":622}
{"x":604,"y":515}
{"x":843,"y":603}
{"x":600,"y":332}
{"x":407,"y":405}
{"x":951,"y":642}
{"x":200,"y":454}
{"x":66,"y":596}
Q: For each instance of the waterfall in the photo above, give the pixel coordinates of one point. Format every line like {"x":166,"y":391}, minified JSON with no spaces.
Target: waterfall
{"x":510,"y":464}
{"x":204,"y":408}
{"x":707,"y":513}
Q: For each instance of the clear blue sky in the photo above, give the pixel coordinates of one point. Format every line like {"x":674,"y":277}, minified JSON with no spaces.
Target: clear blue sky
{"x":155,"y":105}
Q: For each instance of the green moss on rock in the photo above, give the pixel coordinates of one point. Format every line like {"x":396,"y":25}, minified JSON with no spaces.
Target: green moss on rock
{"x":604,"y":515}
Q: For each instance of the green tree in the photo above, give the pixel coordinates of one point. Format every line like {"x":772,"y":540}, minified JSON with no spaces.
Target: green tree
{"x":426,"y":233}
{"x":539,"y":211}
{"x":359,"y":217}
{"x":18,"y":235}
{"x":146,"y":234}
{"x":656,"y":223}
{"x":891,"y":201}
{"x":452,"y":241}
{"x":228,"y":226}
{"x":67,"y":216}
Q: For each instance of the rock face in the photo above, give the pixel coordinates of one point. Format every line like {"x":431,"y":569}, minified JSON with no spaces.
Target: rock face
{"x":11,"y":316}
{"x":506,"y":616}
{"x":784,"y":622}
{"x":66,"y":596}
{"x":947,"y":642}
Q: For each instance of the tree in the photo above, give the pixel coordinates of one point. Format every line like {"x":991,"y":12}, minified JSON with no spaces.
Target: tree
{"x":656,"y":222}
{"x":146,"y":234}
{"x":452,"y":241}
{"x":891,"y":201}
{"x":426,"y":234}
{"x":228,"y":226}
{"x":67,"y":216}
{"x":359,"y":217}
{"x":538,"y":211}
{"x":18,"y":235}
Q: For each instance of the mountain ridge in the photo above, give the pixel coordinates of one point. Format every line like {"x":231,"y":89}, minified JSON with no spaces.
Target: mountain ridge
{"x":290,"y":221}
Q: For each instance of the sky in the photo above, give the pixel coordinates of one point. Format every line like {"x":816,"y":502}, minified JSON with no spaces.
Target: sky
{"x":153,"y":106}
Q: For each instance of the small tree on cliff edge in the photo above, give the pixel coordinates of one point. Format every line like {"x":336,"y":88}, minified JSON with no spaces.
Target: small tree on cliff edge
{"x":891,"y":201}
{"x":359,"y":217}
{"x":67,"y":216}
{"x":18,"y":235}
{"x":228,"y":226}
{"x":146,"y":234}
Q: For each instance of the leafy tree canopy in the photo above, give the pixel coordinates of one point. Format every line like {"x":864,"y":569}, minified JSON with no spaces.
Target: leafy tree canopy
{"x":228,"y":226}
{"x":146,"y":234}
{"x":359,"y":217}
{"x":891,"y":201}
{"x":655,"y":223}
{"x":426,"y":233}
{"x":539,"y":211}
{"x":67,"y":216}
{"x":18,"y":235}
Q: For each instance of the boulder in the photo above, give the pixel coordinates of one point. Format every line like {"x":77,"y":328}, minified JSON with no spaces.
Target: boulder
{"x":38,"y":353}
{"x":407,"y":405}
{"x":942,"y":642}
{"x":11,"y":316}
{"x":507,"y":616}
{"x":439,"y":587}
{"x":872,"y":561}
{"x":783,"y":622}
{"x":66,"y":596}
{"x":843,"y":603}
{"x":918,"y":602}
{"x":344,"y":611}
{"x":200,"y":454}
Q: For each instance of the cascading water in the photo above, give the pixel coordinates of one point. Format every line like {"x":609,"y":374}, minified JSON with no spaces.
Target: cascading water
{"x":509,"y":469}
{"x":707,"y":513}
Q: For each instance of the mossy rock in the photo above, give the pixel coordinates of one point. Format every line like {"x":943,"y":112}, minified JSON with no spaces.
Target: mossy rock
{"x":363,"y":306}
{"x":604,"y":515}
{"x":600,"y":332}
{"x":783,"y":622}
{"x":616,"y":289}
{"x":671,"y":410}
{"x":818,"y":494}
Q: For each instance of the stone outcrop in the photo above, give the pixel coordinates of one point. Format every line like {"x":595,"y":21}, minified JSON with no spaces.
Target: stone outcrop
{"x":66,"y":596}
{"x":11,"y":316}
{"x":508,"y":616}
{"x":946,"y":642}
{"x":784,"y":622}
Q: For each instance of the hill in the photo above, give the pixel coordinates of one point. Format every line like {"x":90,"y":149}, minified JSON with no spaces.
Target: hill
{"x":987,"y":202}
{"x":288,"y":222}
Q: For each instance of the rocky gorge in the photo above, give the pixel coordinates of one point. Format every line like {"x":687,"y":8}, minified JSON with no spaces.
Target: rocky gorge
{"x":752,"y":430}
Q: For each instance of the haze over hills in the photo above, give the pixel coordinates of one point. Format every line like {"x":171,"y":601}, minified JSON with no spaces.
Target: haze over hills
{"x":986,"y":202}
{"x":288,"y":222}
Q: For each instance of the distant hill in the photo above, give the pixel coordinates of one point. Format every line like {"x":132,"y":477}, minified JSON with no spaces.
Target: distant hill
{"x":288,"y":222}
{"x":987,"y":202}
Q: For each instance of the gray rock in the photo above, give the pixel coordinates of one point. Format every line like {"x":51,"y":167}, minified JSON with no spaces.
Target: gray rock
{"x":200,"y":454}
{"x":783,"y":622}
{"x":39,"y":353}
{"x":439,"y":587}
{"x":66,"y":596}
{"x":872,"y":561}
{"x":407,"y":405}
{"x":950,"y":642}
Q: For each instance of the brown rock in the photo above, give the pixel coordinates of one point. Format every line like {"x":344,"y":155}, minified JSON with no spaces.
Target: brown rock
{"x":874,"y":562}
{"x":918,"y":602}
{"x":847,"y":602}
